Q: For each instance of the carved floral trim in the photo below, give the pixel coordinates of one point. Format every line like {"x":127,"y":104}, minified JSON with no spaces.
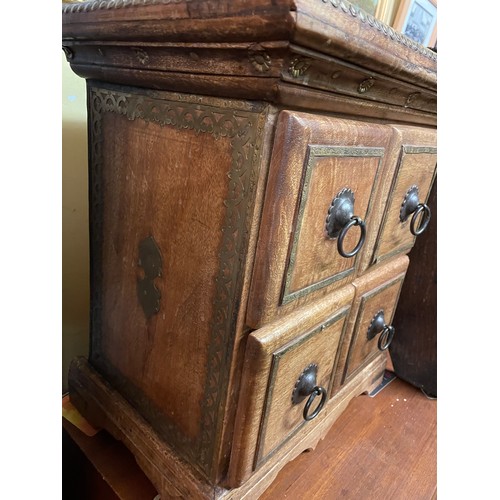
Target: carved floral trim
{"x":344,"y":5}
{"x":259,"y":58}
{"x":299,"y":65}
{"x":244,"y":131}
{"x":90,"y":5}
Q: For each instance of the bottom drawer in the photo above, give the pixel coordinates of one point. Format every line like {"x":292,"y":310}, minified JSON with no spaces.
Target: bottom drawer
{"x":369,"y":329}
{"x":287,"y":380}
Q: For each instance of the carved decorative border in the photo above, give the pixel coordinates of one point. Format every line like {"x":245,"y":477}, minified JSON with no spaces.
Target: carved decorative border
{"x":94,"y":112}
{"x":326,"y":72}
{"x":341,"y":5}
{"x":243,"y":128}
{"x":364,"y":17}
{"x":88,"y":6}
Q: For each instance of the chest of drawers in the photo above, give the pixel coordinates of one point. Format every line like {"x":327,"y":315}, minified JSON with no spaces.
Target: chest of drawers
{"x":258,"y":173}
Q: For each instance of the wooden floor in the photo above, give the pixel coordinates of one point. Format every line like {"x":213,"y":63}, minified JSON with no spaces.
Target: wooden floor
{"x":381,"y":447}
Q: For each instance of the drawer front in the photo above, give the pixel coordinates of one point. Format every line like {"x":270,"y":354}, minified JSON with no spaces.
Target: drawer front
{"x":323,"y":172}
{"x":284,"y":362}
{"x":414,"y":174}
{"x":370,"y":330}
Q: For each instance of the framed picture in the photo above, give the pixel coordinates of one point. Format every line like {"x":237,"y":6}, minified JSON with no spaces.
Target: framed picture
{"x":369,"y":6}
{"x":417,"y":19}
{"x":386,"y":11}
{"x":383,"y":10}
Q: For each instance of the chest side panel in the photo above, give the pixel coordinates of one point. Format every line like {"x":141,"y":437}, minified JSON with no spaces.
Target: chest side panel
{"x":172,"y":191}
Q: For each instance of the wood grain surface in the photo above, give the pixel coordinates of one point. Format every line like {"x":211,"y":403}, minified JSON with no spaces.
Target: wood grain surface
{"x":255,"y":50}
{"x":147,"y":192}
{"x":181,"y":172}
{"x":296,"y":262}
{"x":379,"y":448}
{"x":291,"y":96}
{"x":416,"y":167}
{"x":105,"y":408}
{"x":340,"y":31}
{"x":202,"y":140}
{"x":376,"y":290}
{"x":330,"y":27}
{"x":383,"y":296}
{"x":99,"y":403}
{"x":275,"y":357}
{"x":197,"y":20}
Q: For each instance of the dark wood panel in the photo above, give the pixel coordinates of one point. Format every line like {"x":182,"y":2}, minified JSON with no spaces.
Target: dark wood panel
{"x":193,"y":20}
{"x":414,"y":348}
{"x":114,"y":473}
{"x":336,"y":28}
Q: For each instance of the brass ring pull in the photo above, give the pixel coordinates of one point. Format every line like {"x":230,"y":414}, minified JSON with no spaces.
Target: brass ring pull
{"x":385,"y":339}
{"x":411,"y":205}
{"x":377,"y":326}
{"x":355,"y":221}
{"x":426,"y":217}
{"x":306,"y":387}
{"x":317,"y":391}
{"x":341,"y":218}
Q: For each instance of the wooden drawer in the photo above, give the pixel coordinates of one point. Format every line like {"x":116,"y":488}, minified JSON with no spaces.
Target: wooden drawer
{"x":414,"y":174}
{"x":376,"y":292}
{"x":314,"y":159}
{"x":275,"y":358}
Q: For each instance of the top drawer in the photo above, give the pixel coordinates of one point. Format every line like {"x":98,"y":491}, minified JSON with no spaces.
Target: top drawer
{"x":406,"y":213}
{"x":320,"y":192}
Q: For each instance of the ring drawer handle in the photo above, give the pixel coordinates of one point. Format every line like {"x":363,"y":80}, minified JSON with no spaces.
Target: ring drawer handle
{"x":306,"y":387}
{"x":317,"y":391}
{"x":411,"y":205}
{"x":377,"y":326}
{"x":355,"y":221}
{"x":385,"y":339}
{"x":341,"y":218}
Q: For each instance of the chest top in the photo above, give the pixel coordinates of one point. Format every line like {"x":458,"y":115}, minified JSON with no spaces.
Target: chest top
{"x":314,"y":54}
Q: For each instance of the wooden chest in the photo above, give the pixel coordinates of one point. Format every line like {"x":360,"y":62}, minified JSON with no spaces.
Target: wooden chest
{"x":258,"y":173}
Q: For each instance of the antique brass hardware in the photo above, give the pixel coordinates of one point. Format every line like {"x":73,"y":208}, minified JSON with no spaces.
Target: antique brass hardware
{"x":306,"y":387}
{"x":411,"y":205}
{"x":377,"y":326}
{"x":341,"y":218}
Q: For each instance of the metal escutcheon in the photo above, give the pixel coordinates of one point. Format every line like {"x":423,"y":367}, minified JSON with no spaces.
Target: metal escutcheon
{"x":411,"y":205}
{"x":306,"y":387}
{"x":341,"y":218}
{"x":377,"y":326}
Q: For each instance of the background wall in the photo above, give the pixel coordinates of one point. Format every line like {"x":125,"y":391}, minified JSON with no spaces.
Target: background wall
{"x":75,"y":241}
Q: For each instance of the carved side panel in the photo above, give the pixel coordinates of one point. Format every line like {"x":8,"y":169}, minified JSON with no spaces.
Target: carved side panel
{"x":172,"y":192}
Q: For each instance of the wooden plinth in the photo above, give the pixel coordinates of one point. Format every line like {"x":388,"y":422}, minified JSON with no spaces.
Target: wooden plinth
{"x":105,"y":408}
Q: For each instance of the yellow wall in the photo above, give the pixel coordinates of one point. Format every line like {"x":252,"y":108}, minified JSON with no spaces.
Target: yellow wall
{"x":75,"y":241}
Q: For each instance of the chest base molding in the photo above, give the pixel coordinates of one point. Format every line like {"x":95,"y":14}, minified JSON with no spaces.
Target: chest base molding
{"x":97,"y":401}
